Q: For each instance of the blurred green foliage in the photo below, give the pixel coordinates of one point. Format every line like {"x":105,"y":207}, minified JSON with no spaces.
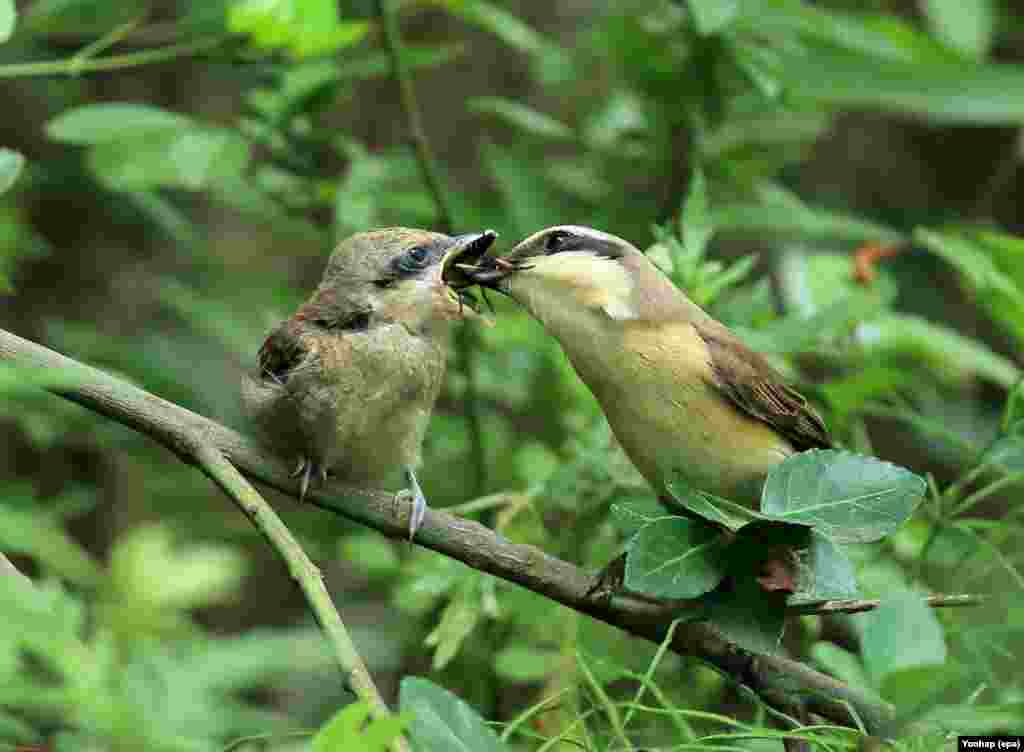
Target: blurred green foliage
{"x":157,"y":218}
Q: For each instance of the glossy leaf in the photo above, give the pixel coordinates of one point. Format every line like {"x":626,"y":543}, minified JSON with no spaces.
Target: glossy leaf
{"x":674,"y":557}
{"x":848,"y":497}
{"x":441,"y":722}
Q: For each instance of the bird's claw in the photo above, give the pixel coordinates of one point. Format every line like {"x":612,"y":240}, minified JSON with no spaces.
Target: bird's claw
{"x":309,"y":470}
{"x":419,"y":503}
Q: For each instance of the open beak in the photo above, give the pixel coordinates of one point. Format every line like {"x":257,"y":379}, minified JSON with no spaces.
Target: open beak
{"x":491,"y":271}
{"x":465,"y":253}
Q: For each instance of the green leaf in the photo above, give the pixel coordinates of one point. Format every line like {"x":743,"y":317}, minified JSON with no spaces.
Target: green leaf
{"x":916,"y":687}
{"x":711,"y":16}
{"x":147,"y":568}
{"x":8,"y":19}
{"x":824,"y":573}
{"x":708,"y":506}
{"x":841,"y":664}
{"x":303,"y":27}
{"x":34,"y":533}
{"x":371,"y":553}
{"x":747,"y":615}
{"x":847,"y":497}
{"x":526,"y":663}
{"x":805,"y":222}
{"x":964,"y":25}
{"x":110,"y":123}
{"x":442,"y":722}
{"x":458,"y":619}
{"x":11,"y":165}
{"x":991,"y":94}
{"x":901,"y":633}
{"x":1007,"y":452}
{"x":504,"y":25}
{"x":629,"y":518}
{"x":674,"y":557}
{"x":695,"y":221}
{"x":943,"y":353}
{"x":191,"y":158}
{"x":347,"y":731}
{"x":523,"y":118}
{"x":990,"y":265}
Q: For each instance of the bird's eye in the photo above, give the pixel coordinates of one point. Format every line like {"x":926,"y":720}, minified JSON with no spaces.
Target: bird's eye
{"x":556,"y":240}
{"x":413,"y":260}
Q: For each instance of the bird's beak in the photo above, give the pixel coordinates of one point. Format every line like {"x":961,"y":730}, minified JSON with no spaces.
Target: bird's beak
{"x":465,"y":252}
{"x":492,"y":271}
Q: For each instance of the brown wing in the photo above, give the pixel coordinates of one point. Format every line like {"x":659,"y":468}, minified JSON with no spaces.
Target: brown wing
{"x":750,"y":383}
{"x":281,"y":352}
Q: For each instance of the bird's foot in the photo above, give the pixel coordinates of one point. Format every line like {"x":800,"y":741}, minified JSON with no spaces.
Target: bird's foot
{"x":417,"y":500}
{"x":308,"y":469}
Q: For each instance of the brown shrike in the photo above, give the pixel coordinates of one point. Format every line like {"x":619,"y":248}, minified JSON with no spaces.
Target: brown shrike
{"x":347,"y":384}
{"x":683,"y":395}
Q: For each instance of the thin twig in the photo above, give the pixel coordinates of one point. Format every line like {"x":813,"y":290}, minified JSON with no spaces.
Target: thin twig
{"x":195,"y":441}
{"x":303,"y":571}
{"x":774,"y":678}
{"x":859,"y":606}
{"x":74,"y":66}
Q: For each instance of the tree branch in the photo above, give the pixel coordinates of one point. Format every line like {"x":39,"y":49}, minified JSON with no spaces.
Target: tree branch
{"x":775,"y":678}
{"x":193,"y":439}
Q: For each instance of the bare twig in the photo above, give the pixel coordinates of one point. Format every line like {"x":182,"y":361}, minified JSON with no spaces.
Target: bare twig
{"x":75,"y":65}
{"x":859,"y":606}
{"x":196,"y":441}
{"x":775,"y":678}
{"x":302,"y":570}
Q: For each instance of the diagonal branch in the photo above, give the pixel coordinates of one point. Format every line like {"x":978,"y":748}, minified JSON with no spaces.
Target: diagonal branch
{"x":191,"y":437}
{"x":777,"y":679}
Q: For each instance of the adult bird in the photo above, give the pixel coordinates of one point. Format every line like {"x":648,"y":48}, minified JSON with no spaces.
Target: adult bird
{"x":684,"y":396}
{"x":348,"y":383}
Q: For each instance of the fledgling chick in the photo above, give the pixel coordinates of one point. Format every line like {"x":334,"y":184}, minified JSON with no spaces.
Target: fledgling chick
{"x":347,"y":384}
{"x":683,"y":395}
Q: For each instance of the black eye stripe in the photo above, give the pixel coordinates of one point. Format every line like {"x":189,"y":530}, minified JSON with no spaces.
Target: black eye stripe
{"x":412,"y":261}
{"x":560,"y":241}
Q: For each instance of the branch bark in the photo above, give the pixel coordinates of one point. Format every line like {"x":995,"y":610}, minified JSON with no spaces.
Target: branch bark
{"x":775,"y":678}
{"x":197,"y":440}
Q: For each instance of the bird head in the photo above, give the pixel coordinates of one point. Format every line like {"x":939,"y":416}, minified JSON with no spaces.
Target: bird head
{"x":569,"y":270}
{"x":396,"y":275}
